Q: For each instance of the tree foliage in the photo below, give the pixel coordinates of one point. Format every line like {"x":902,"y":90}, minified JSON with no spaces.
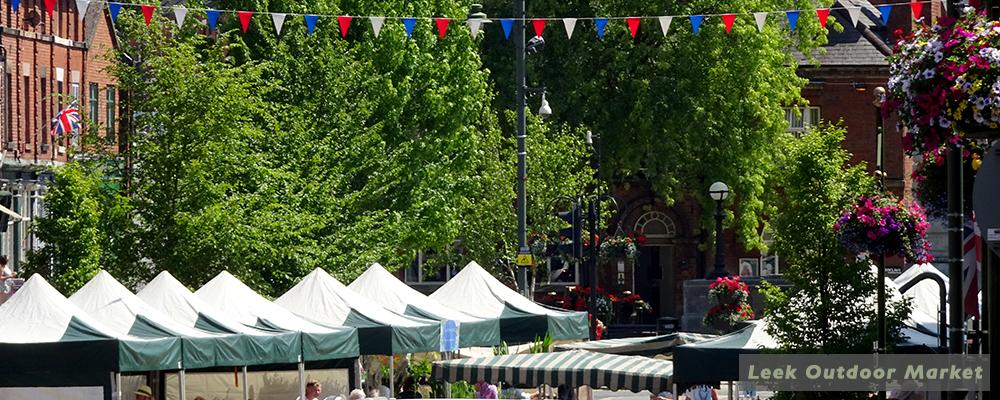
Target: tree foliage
{"x":831,"y":303}
{"x":680,"y":110}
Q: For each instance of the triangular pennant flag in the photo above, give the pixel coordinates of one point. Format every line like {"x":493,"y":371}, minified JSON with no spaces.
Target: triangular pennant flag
{"x":442,"y":24}
{"x":665,"y":24}
{"x":50,"y":6}
{"x":570,"y":24}
{"x":474,"y":25}
{"x":408,"y":24}
{"x":114,"y":9}
{"x":244,"y":19}
{"x":854,"y":13}
{"x":885,"y":10}
{"x":311,"y":22}
{"x":600,"y":23}
{"x":377,"y":24}
{"x":823,"y":14}
{"x":633,"y":25}
{"x":147,"y":13}
{"x":539,"y":25}
{"x":345,"y":23}
{"x":696,"y":22}
{"x":727,"y":21}
{"x":212,"y":16}
{"x":506,"y":24}
{"x":760,"y":18}
{"x":793,"y":19}
{"x":15,"y":4}
{"x":916,"y":7}
{"x":180,"y":12}
{"x":81,"y":7}
{"x":279,"y":21}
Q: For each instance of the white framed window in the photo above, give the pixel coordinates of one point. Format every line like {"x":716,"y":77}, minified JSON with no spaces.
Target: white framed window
{"x":800,"y":118}
{"x":416,"y":273}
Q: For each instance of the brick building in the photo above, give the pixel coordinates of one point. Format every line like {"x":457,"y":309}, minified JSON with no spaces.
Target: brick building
{"x":46,"y":63}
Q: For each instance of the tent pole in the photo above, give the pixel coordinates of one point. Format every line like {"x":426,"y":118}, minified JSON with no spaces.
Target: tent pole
{"x":731,"y":390}
{"x":183,"y":383}
{"x":246,"y":386}
{"x":302,"y":380}
{"x":116,"y":380}
{"x":392,"y":375}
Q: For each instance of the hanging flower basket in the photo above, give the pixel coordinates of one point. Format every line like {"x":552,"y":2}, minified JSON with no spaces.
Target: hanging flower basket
{"x":730,"y":299}
{"x":930,"y":178}
{"x":945,"y":82}
{"x":621,"y":247}
{"x":882,"y":225}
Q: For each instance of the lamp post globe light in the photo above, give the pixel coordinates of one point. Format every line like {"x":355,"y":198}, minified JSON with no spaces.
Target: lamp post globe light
{"x":719,"y":192}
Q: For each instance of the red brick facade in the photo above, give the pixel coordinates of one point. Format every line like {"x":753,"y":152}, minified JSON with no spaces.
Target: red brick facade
{"x":50,"y":61}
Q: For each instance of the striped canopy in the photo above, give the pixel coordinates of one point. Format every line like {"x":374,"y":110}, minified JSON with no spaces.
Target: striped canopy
{"x":648,"y":346}
{"x":572,"y":368}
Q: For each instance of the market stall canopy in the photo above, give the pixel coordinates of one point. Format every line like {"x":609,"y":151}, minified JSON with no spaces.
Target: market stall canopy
{"x":648,"y":346}
{"x":167,"y":295}
{"x":242,"y":304}
{"x":322,"y":298}
{"x":925,"y":297}
{"x":474,"y":291}
{"x":389,"y":292}
{"x":717,"y":359}
{"x":46,"y":339}
{"x":572,"y":368}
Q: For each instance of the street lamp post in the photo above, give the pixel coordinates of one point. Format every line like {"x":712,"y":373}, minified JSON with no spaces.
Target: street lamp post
{"x":718,"y":192}
{"x":522,"y":169}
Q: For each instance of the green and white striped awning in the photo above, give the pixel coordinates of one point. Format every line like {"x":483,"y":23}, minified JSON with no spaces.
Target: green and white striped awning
{"x":572,"y":368}
{"x":649,"y":346}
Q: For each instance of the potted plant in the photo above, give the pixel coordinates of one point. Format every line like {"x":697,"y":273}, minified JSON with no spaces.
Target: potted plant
{"x":730,"y":299}
{"x":880,"y":224}
{"x":945,"y":82}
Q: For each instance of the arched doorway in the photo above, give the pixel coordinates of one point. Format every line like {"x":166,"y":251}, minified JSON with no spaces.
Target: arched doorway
{"x":655,"y":275}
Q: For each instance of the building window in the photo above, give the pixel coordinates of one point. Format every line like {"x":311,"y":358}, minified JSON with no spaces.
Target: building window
{"x":656,"y":225}
{"x":416,"y":274}
{"x":800,"y":118}
{"x":110,"y":117}
{"x":74,"y":91}
{"x":94,"y":109}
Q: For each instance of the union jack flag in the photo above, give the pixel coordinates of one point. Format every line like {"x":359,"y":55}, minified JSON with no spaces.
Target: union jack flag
{"x":972,"y":250}
{"x":66,"y":121}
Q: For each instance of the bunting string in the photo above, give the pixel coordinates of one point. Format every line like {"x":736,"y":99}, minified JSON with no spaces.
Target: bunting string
{"x":538,"y":24}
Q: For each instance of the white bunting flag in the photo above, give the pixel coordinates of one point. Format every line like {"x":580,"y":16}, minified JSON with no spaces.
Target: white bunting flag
{"x":570,"y":24}
{"x":760,"y":17}
{"x":279,"y":20}
{"x":81,"y":7}
{"x":665,"y":24}
{"x":474,"y":24}
{"x":377,"y":24}
{"x":854,"y":13}
{"x":180,"y":12}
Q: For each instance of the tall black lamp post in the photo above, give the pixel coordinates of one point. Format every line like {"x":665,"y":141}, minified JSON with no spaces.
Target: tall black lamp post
{"x":718,"y":192}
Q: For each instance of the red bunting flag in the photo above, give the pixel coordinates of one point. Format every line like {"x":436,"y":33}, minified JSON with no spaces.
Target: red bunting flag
{"x":345,"y":22}
{"x":633,"y":25}
{"x":823,"y":14}
{"x":442,"y":24}
{"x":50,"y":6}
{"x":917,"y":8}
{"x":147,"y":13}
{"x":539,"y":25}
{"x":728,"y":20}
{"x":244,"y":19}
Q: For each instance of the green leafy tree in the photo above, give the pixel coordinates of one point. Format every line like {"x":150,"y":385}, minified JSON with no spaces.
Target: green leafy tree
{"x":70,"y":229}
{"x":680,"y":110}
{"x":830,"y":306}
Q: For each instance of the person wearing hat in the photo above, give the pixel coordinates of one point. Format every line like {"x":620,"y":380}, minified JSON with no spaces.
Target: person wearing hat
{"x":144,"y":393}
